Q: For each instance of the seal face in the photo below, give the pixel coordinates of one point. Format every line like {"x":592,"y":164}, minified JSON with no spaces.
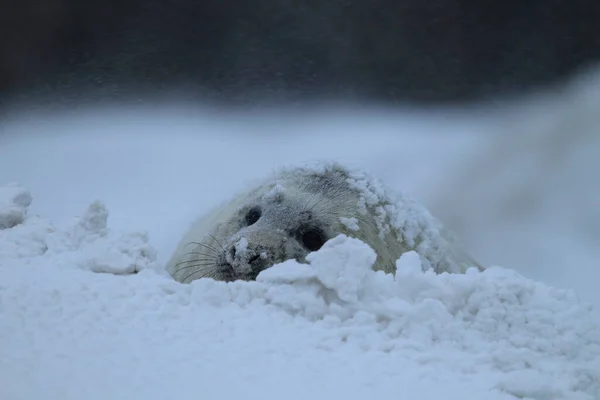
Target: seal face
{"x":294,"y":213}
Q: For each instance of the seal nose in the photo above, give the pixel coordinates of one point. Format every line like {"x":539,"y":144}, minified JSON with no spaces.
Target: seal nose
{"x":245,"y":258}
{"x":251,"y":260}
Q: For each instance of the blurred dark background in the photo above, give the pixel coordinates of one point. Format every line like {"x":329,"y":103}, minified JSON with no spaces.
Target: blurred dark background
{"x":241,"y":51}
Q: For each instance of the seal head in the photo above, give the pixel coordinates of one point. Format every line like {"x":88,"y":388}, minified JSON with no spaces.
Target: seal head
{"x":295,"y":213}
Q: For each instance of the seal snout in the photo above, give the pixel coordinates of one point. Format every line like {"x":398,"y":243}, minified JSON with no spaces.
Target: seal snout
{"x":244,"y":260}
{"x":253,"y":259}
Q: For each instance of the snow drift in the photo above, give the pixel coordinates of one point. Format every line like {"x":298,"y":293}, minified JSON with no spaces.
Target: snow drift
{"x":88,"y":313}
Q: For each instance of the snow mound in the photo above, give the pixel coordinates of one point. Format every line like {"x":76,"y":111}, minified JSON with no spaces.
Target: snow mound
{"x":14,"y":201}
{"x":538,"y":341}
{"x":330,"y":329}
{"x":87,"y":243}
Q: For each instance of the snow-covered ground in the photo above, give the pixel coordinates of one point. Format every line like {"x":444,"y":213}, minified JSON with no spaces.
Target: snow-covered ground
{"x":519,"y":184}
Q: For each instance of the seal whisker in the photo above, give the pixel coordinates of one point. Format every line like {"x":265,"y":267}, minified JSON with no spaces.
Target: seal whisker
{"x":192,"y":274}
{"x":215,"y":239}
{"x":212,"y":275}
{"x":204,"y":245}
{"x":206,"y":267}
{"x":338,"y":194}
{"x":194,"y":261}
{"x":335,"y":197}
{"x":202,"y":266}
{"x":305,"y":206}
{"x":199,"y":262}
{"x":212,"y":256}
{"x":316,"y":204}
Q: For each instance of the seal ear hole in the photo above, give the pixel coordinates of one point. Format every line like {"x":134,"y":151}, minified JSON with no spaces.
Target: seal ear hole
{"x":313,"y":238}
{"x":253,"y":215}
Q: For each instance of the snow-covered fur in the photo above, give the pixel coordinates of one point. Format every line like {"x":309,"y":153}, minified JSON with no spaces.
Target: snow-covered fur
{"x":295,"y":211}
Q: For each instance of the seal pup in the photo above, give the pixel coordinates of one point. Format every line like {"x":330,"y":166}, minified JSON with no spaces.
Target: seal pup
{"x":295,"y":211}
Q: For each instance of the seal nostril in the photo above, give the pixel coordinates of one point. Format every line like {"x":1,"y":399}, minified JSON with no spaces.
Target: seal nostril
{"x":253,"y":258}
{"x":232,"y":252}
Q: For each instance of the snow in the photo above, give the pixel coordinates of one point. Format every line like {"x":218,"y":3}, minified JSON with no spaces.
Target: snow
{"x":350,"y":223}
{"x":275,"y":193}
{"x":331,"y":328}
{"x":87,"y":311}
{"x":14,"y":201}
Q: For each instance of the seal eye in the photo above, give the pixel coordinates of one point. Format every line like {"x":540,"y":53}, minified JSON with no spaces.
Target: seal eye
{"x":253,"y":215}
{"x":313,"y":239}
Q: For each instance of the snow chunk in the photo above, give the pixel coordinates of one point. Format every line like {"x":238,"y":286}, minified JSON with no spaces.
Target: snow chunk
{"x":275,"y":193}
{"x":16,"y":239}
{"x":288,"y":272}
{"x":241,"y":247}
{"x":14,"y":201}
{"x":408,"y":265}
{"x":87,"y":243}
{"x":124,"y":254}
{"x":25,"y":240}
{"x":343,"y":265}
{"x":95,"y":219}
{"x":350,"y":223}
{"x":101,"y":251}
{"x":91,"y":225}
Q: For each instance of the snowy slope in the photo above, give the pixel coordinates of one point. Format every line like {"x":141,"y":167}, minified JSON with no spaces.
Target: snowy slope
{"x":75,"y":324}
